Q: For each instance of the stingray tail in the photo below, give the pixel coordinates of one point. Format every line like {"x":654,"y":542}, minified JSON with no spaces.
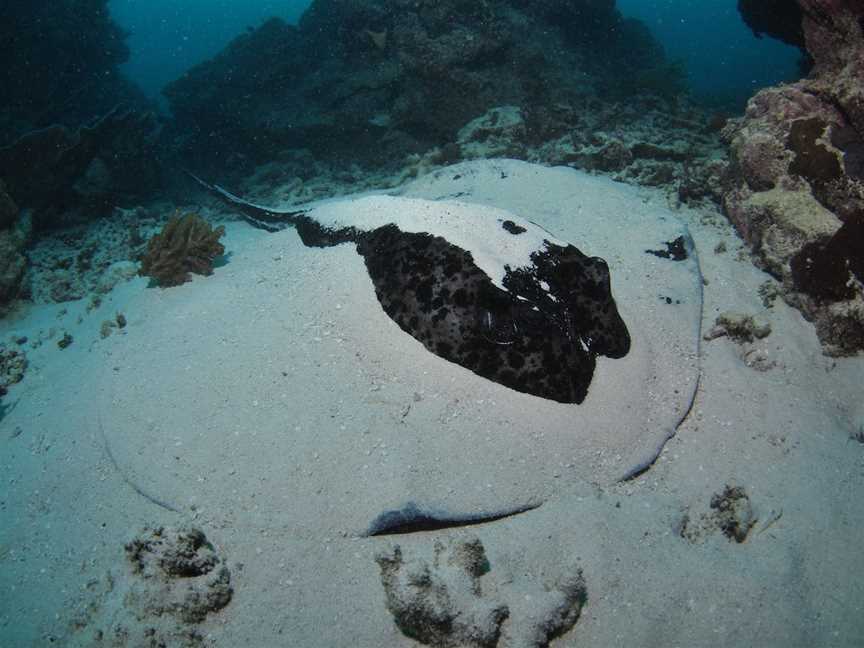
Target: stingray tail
{"x":266,"y":218}
{"x":273,"y":220}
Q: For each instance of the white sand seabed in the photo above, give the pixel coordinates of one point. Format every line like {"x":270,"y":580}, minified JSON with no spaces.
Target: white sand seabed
{"x":278,"y":408}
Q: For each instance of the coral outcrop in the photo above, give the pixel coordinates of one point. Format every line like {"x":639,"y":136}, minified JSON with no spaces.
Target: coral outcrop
{"x":8,"y":208}
{"x":58,"y":171}
{"x":797,"y":176}
{"x":185,"y":245}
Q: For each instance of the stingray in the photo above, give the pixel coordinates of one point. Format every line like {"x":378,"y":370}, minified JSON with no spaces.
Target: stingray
{"x":479,"y":287}
{"x":356,"y":390}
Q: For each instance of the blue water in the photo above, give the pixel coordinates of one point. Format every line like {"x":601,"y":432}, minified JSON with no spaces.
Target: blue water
{"x":725,"y":62}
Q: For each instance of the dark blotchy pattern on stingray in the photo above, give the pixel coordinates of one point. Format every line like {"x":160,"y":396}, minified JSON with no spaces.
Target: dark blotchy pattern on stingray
{"x":544,"y":344}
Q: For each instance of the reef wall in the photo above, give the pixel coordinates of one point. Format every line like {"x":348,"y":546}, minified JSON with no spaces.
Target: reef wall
{"x":795,"y":190}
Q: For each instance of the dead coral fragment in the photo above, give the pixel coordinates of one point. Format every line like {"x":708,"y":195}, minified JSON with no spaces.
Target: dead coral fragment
{"x":440,"y":603}
{"x":730,"y":512}
{"x":738,"y":326}
{"x":186,"y":244}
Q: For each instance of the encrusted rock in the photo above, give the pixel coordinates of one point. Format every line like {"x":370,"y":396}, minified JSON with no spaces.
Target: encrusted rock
{"x":493,"y":134}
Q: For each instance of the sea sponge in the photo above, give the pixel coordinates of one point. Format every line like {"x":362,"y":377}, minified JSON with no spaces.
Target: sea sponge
{"x":186,"y":244}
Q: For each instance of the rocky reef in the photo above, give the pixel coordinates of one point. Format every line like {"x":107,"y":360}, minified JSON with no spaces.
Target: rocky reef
{"x":364,"y":85}
{"x":795,"y":190}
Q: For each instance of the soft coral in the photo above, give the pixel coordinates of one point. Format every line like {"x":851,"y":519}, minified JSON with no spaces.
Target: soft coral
{"x":186,"y":244}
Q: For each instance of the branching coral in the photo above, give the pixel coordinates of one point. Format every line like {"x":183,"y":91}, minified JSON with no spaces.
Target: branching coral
{"x":186,"y":244}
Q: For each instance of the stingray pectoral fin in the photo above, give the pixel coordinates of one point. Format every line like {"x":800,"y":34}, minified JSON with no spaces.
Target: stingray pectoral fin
{"x":608,"y":334}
